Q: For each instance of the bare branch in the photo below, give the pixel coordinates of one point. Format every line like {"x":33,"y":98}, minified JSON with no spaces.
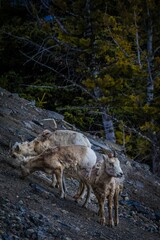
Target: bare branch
{"x":137,"y":40}
{"x":61,"y":25}
{"x":73,"y":82}
{"x":132,"y":129}
{"x":156,"y":50}
{"x":115,"y":41}
{"x":47,"y":87}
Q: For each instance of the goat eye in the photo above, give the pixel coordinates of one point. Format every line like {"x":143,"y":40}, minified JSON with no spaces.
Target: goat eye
{"x":111,"y":164}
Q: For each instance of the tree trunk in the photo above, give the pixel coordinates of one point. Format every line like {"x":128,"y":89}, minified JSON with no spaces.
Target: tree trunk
{"x":108,"y":126}
{"x":137,"y":41}
{"x":155,"y":154}
{"x":150,"y":83}
{"x":150,"y":89}
{"x":106,"y":119}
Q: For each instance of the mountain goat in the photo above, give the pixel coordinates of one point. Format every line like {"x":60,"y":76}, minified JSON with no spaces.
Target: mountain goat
{"x":106,"y":180}
{"x":76,"y":160}
{"x":49,"y":139}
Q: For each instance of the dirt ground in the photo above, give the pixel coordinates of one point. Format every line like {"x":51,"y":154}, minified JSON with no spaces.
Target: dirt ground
{"x":31,"y":209}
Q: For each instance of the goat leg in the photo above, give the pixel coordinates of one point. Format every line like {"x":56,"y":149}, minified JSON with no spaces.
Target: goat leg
{"x":59,"y":175}
{"x":110,"y":207}
{"x":54,"y":181}
{"x":101,"y":199}
{"x":88,"y":195}
{"x":80,"y":193}
{"x":116,"y":218}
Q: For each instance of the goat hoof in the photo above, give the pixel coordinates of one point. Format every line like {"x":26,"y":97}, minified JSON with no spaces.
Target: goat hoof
{"x":22,"y":177}
{"x":52,"y":185}
{"x":116,"y":223}
{"x":110,"y":223}
{"x":76,"y":196}
{"x":102,"y":221}
{"x":62,"y":196}
{"x":84,"y":206}
{"x":56,"y":186}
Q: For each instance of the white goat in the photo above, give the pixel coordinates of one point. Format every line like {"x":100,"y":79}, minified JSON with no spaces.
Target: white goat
{"x":61,"y":137}
{"x":78,"y":160}
{"x":49,"y":139}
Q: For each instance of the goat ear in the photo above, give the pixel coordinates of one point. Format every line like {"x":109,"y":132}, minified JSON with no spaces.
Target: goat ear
{"x":36,"y":141}
{"x":105,"y":157}
{"x":114,"y":154}
{"x":17,"y":148}
{"x":46,"y":134}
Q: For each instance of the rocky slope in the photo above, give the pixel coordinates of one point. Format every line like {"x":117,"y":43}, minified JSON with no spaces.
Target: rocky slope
{"x":30,"y":209}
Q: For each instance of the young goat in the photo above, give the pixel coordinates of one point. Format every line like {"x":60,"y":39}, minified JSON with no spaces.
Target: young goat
{"x":105,"y":182}
{"x":76,"y":160}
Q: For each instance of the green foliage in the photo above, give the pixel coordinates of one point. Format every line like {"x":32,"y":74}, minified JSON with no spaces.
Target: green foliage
{"x":10,"y":81}
{"x":80,"y":118}
{"x":41,"y":102}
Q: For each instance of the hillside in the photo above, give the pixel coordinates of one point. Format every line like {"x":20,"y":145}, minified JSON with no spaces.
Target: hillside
{"x":30,"y":209}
